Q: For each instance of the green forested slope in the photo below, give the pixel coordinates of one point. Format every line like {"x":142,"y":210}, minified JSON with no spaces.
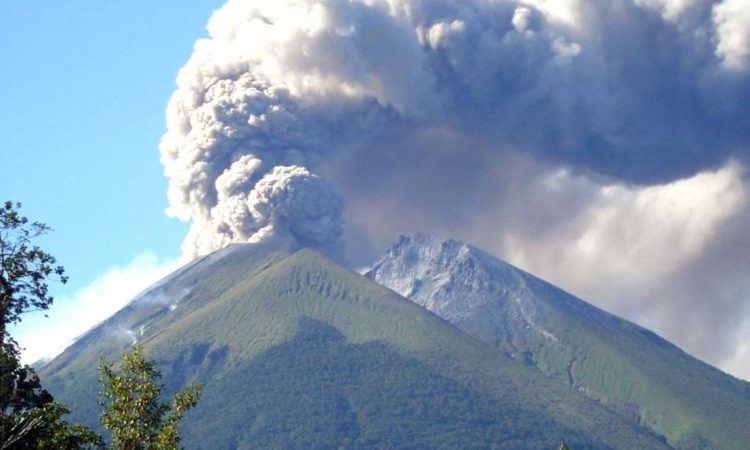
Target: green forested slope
{"x":298,"y":352}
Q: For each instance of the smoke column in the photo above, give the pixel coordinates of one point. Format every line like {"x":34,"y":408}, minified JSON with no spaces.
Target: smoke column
{"x":591,"y":132}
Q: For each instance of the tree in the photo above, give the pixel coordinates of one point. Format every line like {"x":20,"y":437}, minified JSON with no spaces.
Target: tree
{"x":20,"y":388}
{"x":29,"y":418}
{"x":132,"y":412}
{"x":24,"y":268}
{"x":44,"y":428}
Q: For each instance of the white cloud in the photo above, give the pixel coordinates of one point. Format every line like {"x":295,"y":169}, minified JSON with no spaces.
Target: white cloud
{"x":72,"y":316}
{"x":670,"y":10}
{"x":732,"y":21}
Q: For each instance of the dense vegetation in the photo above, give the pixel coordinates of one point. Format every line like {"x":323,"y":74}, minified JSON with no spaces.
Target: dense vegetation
{"x":132,"y":412}
{"x":318,"y":391}
{"x":29,"y":418}
{"x":294,"y":350}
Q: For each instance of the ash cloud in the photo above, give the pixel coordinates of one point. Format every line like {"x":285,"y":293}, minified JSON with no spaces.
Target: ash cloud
{"x":557,"y":133}
{"x":288,"y":201}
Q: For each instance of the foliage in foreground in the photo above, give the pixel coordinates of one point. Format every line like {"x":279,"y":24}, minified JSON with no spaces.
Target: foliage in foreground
{"x":44,"y":428}
{"x":131,"y":409}
{"x":29,"y":417}
{"x":24,"y":268}
{"x":24,"y":271}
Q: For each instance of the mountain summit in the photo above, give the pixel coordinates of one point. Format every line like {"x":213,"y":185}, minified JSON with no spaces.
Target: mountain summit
{"x":466,"y":286}
{"x":625,"y":367}
{"x":296,"y":351}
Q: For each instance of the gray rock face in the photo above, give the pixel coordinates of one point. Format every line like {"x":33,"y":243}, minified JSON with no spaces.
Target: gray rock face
{"x":465,"y":286}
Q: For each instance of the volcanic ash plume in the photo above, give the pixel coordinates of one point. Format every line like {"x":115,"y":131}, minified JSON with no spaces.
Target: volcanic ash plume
{"x":639,"y":91}
{"x":288,"y":201}
{"x":571,"y":136}
{"x":232,"y":158}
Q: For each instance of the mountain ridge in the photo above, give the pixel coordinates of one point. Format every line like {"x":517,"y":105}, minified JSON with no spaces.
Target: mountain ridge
{"x":626,"y":367}
{"x":263,"y":322}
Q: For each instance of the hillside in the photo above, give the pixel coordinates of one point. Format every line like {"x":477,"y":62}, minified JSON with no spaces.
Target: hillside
{"x":625,"y":367}
{"x":296,"y":351}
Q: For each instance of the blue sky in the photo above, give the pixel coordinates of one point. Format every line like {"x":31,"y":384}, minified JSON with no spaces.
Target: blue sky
{"x":84,"y":88}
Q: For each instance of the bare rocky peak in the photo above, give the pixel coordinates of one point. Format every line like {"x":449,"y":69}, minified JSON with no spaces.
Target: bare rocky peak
{"x":460,"y":283}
